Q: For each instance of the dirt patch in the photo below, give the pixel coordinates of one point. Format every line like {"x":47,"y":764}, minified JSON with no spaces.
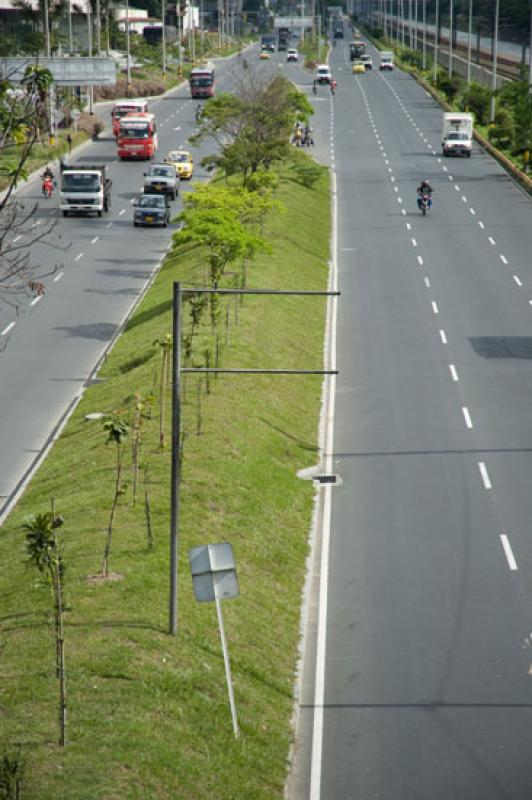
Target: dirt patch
{"x":96,"y":580}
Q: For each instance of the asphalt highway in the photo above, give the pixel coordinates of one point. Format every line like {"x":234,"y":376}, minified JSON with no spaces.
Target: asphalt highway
{"x":99,"y":267}
{"x":426,"y":670}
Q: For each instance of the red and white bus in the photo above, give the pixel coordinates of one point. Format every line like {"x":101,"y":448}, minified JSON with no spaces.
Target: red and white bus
{"x":124,"y":107}
{"x":137,"y":136}
{"x":201,"y":82}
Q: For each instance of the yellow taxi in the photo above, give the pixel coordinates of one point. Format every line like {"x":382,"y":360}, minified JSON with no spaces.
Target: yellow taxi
{"x":182,"y":162}
{"x":358,"y":67}
{"x":264,"y":54}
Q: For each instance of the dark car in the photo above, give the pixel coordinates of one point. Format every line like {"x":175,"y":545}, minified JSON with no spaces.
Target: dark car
{"x":151,"y":209}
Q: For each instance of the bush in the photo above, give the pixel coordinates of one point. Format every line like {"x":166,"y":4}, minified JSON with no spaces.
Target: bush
{"x":450,"y":86}
{"x":502,"y":134}
{"x":477,"y":99}
{"x":412,"y":57}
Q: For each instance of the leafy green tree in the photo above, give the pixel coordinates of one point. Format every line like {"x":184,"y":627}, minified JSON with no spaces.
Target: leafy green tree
{"x":252,"y":127}
{"x":518,"y":97}
{"x":117,"y":429}
{"x":45,"y":552}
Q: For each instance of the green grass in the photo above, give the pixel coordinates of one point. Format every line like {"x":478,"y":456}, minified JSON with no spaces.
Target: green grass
{"x":41,"y":154}
{"x":148,"y":713}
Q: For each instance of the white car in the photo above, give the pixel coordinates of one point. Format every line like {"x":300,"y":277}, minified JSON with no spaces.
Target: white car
{"x":367,"y":61}
{"x":292,"y":54}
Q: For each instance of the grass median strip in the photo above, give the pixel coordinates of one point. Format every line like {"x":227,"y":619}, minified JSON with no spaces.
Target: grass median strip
{"x":148,"y":713}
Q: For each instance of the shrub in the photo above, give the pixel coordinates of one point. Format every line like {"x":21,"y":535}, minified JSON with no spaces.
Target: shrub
{"x":450,"y":86}
{"x":502,"y":134}
{"x":477,"y":99}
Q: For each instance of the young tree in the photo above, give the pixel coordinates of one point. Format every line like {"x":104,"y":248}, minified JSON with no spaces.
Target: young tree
{"x":117,"y":430}
{"x":45,"y":552}
{"x":23,"y":122}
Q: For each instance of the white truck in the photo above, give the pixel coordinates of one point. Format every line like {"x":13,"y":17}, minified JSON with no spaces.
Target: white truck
{"x":457,"y":134}
{"x":84,"y":188}
{"x":386,"y":59}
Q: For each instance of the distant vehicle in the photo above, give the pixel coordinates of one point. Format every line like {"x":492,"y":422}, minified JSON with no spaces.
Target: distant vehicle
{"x":161,"y":178}
{"x":137,"y":136}
{"x":292,"y":54}
{"x":201,"y":82}
{"x":283,"y":38}
{"x":457,"y":134}
{"x":265,"y":54}
{"x":124,"y":107}
{"x":386,"y":60}
{"x":153,"y":34}
{"x":338,"y":28}
{"x":151,"y":209}
{"x":322,"y":73}
{"x":367,"y":60}
{"x":182,"y":162}
{"x":358,"y":67}
{"x":356,"y":49}
{"x":267,"y":42}
{"x":85,"y":188}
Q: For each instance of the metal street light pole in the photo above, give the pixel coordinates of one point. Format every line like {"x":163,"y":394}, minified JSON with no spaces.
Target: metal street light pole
{"x":424,"y":34}
{"x":46,"y":29}
{"x":128,"y":65}
{"x":495,"y":54}
{"x":436,"y":39}
{"x":163,"y":35}
{"x":451,"y":8}
{"x":469,"y":41}
{"x":98,"y":29}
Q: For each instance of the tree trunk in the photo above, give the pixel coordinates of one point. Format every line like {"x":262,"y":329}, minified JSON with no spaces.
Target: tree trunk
{"x":119,"y":465}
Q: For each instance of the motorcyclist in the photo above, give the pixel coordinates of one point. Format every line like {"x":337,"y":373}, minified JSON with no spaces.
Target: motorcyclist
{"x":199,"y":112}
{"x":333,"y":85}
{"x":424,"y":188}
{"x":47,"y":182}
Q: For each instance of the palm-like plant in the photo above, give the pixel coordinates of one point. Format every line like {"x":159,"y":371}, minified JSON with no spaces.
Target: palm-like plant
{"x":117,"y":430}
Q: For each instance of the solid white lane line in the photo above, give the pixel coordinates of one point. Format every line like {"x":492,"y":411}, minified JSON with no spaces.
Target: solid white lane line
{"x":79,"y":255}
{"x":427,"y":282}
{"x":512,"y":563}
{"x":9,"y":328}
{"x":93,"y":241}
{"x":58,"y":276}
{"x":481,"y":224}
{"x":484,"y":475}
{"x":435,"y":307}
{"x":420,"y":261}
{"x":36,"y":300}
{"x":414,"y":243}
{"x":467,"y":417}
{"x":517,"y":280}
{"x":443,"y":336}
{"x":121,"y":212}
{"x":503,"y":259}
{"x":491,"y":240}
{"x":454,"y":374}
{"x":17,"y":238}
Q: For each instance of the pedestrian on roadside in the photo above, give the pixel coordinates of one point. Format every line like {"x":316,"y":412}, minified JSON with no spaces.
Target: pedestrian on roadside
{"x":69,"y":142}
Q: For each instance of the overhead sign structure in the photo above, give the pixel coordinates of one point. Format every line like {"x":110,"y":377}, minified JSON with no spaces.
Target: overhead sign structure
{"x":292,"y":22}
{"x":214,"y":576}
{"x":70,"y":71}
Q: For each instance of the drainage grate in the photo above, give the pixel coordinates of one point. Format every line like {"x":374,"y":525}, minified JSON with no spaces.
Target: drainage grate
{"x":328,"y":479}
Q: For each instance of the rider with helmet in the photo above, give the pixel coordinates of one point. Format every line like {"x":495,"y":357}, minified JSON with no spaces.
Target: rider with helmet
{"x":423,"y":189}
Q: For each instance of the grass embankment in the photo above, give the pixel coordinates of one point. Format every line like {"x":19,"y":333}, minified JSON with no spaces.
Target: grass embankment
{"x":41,"y":154}
{"x":148,"y":713}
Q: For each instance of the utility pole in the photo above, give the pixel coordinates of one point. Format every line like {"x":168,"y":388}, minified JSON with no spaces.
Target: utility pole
{"x":450,"y":70}
{"x":163,"y":35}
{"x":436,"y":39}
{"x":469,"y":41}
{"x":98,"y":29}
{"x":70,"y":31}
{"x":424,"y":35}
{"x":128,"y":65}
{"x":89,"y":33}
{"x":495,"y":55}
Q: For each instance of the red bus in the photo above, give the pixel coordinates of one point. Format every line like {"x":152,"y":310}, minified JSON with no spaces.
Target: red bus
{"x":124,"y":107}
{"x":137,"y":136}
{"x":201,"y":82}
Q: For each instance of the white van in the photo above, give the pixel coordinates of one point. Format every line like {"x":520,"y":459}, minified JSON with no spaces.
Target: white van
{"x":322,"y":73}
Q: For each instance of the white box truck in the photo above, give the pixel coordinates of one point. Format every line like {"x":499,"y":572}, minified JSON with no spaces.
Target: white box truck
{"x":84,"y":188}
{"x":457,"y":134}
{"x":386,"y":59}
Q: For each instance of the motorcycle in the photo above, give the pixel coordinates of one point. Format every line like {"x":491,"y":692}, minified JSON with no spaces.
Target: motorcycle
{"x":47,"y":187}
{"x":424,"y":202}
{"x":199,"y":112}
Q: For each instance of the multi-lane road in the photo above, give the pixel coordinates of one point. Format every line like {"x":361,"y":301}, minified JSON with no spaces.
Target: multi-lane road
{"x":417,"y":676}
{"x":417,"y":680}
{"x":51,"y":346}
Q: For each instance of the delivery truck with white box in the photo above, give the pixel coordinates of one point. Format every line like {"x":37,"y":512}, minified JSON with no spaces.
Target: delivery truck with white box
{"x":457,"y":134}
